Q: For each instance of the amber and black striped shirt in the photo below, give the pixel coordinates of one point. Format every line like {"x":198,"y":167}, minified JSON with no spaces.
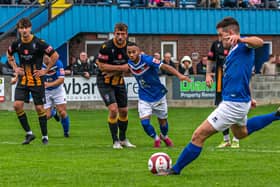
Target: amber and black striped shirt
{"x":30,"y":58}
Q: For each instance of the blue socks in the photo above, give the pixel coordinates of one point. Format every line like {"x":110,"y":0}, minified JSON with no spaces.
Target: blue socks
{"x":65,"y":124}
{"x":148,"y":128}
{"x":190,"y":153}
{"x":53,"y":112}
{"x":164,"y":129}
{"x":258,"y":122}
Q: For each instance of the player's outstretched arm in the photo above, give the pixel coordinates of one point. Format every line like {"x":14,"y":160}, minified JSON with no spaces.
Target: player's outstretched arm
{"x":109,"y":67}
{"x":172,"y":70}
{"x":57,"y":82}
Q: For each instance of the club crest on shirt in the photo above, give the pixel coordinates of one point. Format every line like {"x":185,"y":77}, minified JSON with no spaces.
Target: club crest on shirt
{"x":119,"y":56}
{"x":61,"y":71}
{"x":25,"y":51}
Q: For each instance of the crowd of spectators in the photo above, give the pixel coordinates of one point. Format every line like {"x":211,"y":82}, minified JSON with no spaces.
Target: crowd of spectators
{"x":83,"y":66}
{"x":271,"y":4}
{"x":188,"y":3}
{"x":188,"y":65}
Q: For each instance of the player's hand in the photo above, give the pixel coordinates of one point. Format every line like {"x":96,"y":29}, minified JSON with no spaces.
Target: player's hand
{"x":100,"y":65}
{"x":209,"y":79}
{"x":184,"y":78}
{"x":39,"y":73}
{"x":253,"y":103}
{"x":47,"y":84}
{"x":14,"y":79}
{"x":19,"y":71}
{"x":233,"y":39}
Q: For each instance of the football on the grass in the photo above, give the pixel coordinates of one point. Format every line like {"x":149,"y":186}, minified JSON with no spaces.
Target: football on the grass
{"x":159,"y":162}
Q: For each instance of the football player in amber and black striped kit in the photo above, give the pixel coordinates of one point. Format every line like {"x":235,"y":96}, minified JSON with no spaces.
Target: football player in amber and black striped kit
{"x":112,"y":88}
{"x":30,"y":50}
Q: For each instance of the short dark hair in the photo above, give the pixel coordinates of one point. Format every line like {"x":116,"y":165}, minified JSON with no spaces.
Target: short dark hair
{"x":24,"y":22}
{"x":229,"y":23}
{"x":121,"y":27}
{"x":132,"y":44}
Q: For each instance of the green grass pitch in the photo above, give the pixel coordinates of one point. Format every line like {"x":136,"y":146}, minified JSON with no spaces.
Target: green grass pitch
{"x":87,"y":157}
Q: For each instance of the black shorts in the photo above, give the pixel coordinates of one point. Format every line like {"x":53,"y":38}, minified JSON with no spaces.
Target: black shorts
{"x":113,"y":94}
{"x":22,"y":93}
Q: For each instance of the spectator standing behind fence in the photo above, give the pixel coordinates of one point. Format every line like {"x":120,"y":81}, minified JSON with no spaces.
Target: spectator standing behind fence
{"x":269,"y":67}
{"x":236,"y":3}
{"x":201,"y":66}
{"x":255,"y":4}
{"x":185,"y":66}
{"x":212,"y":4}
{"x":69,"y":68}
{"x":161,"y":3}
{"x":167,"y":60}
{"x":84,"y":66}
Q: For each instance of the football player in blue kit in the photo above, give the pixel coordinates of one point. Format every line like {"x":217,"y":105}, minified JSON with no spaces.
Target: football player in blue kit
{"x":232,"y":111}
{"x":55,"y":93}
{"x":152,"y":93}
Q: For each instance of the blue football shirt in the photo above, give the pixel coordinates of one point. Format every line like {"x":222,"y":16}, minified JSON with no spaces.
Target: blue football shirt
{"x":237,"y":73}
{"x":146,"y":73}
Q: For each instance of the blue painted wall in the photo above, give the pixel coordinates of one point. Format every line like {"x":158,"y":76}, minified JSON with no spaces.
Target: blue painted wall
{"x":9,"y":12}
{"x":101,"y":19}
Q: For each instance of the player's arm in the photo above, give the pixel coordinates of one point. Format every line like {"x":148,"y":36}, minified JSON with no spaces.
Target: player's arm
{"x":53,"y":58}
{"x":104,"y":57}
{"x":12,"y":62}
{"x":212,"y":58}
{"x":109,"y":67}
{"x":252,"y":41}
{"x":209,"y":75}
{"x":172,"y":70}
{"x":55,"y":83}
{"x":51,"y":53}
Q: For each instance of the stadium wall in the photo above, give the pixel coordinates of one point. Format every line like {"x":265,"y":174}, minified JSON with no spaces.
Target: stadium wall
{"x":266,"y":90}
{"x":186,"y":44}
